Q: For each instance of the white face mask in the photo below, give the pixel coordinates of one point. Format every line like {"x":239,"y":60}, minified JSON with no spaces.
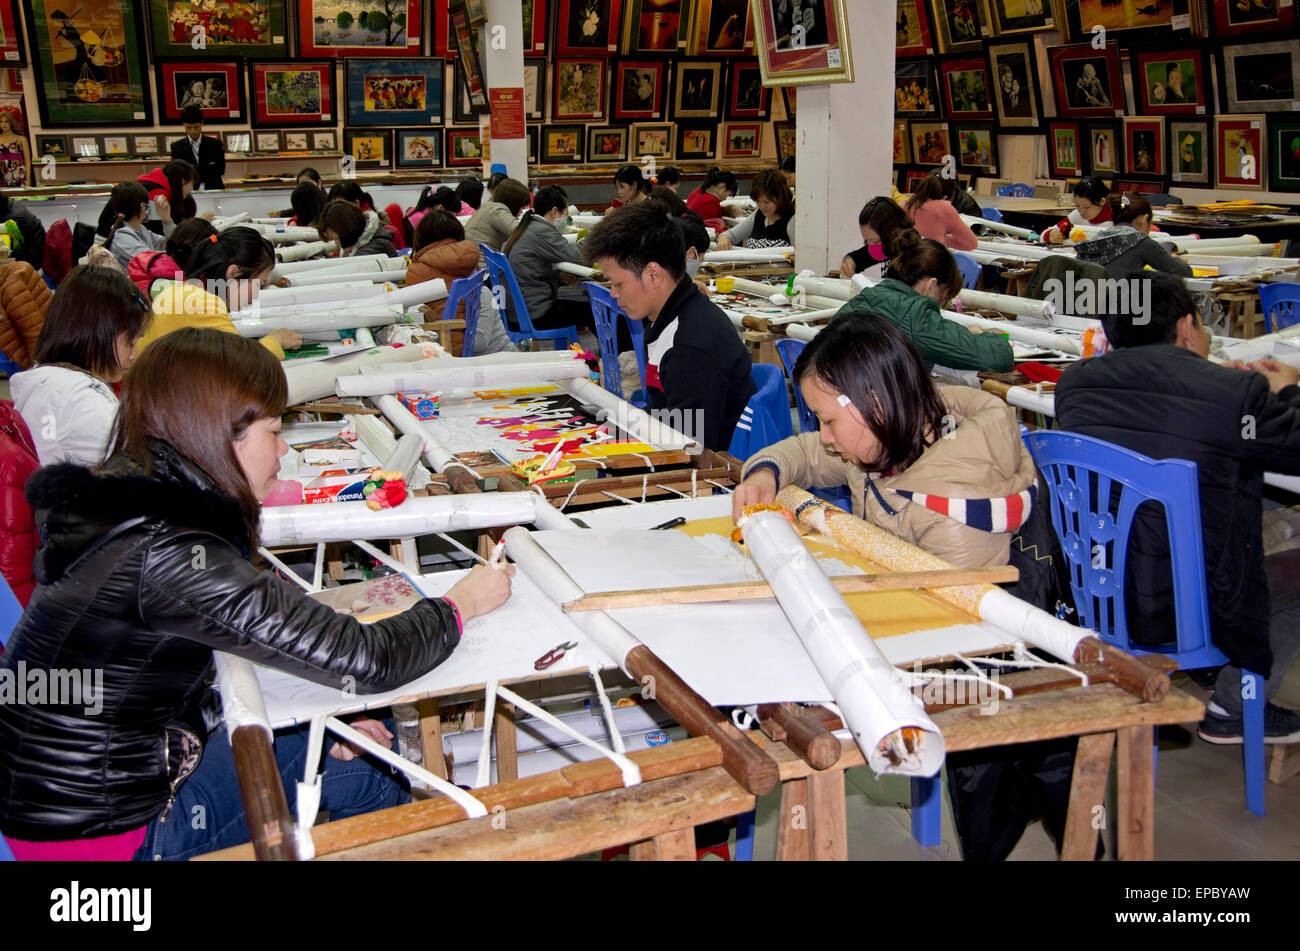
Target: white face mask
{"x":561,"y":224}
{"x":692,"y":267}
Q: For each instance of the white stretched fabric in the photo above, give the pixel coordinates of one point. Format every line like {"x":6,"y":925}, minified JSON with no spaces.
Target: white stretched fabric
{"x":241,"y":694}
{"x":284,"y":234}
{"x":297,"y":267}
{"x":334,"y":275}
{"x":998,"y":226}
{"x":224,"y":223}
{"x":759,"y":289}
{"x":1006,"y":303}
{"x":418,"y":515}
{"x":1027,"y":251}
{"x":1065,"y":343}
{"x":631,"y":772}
{"x":838,"y":288}
{"x":865,"y":686}
{"x":309,"y":790}
{"x":334,"y":291}
{"x":311,"y":319}
{"x":374,"y":435}
{"x":435,"y":453}
{"x":312,"y":381}
{"x":1030,"y":624}
{"x":299,"y":252}
{"x":635,"y":422}
{"x":579,"y":270}
{"x":457,"y":373}
{"x":749,"y":256}
{"x":405,"y":455}
{"x":263,"y":220}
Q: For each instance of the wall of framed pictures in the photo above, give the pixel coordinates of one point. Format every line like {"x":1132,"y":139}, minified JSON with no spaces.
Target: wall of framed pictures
{"x":1183,"y":95}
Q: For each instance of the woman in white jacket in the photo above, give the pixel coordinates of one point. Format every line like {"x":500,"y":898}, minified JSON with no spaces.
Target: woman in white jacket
{"x":87,"y":342}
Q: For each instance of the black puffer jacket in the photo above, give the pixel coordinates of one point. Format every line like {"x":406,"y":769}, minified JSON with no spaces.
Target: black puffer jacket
{"x":1168,"y":403}
{"x":143,"y":577}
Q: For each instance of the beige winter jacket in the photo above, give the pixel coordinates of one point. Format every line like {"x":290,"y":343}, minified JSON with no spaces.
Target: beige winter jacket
{"x":983,"y":457}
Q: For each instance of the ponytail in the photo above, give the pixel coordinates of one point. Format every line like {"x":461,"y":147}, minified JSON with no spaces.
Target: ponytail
{"x":125,"y":199}
{"x":246,"y":249}
{"x":547,"y":199}
{"x":913,"y":259}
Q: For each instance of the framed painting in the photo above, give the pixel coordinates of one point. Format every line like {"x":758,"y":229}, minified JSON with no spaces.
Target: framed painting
{"x":747,"y":97}
{"x":534,"y":144}
{"x":960,"y":25}
{"x":148,"y":144}
{"x":1256,"y":16}
{"x":1087,"y":81}
{"x":215,"y":86}
{"x":1063,"y":151}
{"x":916,"y":92}
{"x":417,"y":148}
{"x":295,"y":141}
{"x":535,"y":23}
{"x":656,"y":26}
{"x":742,"y":139}
{"x":86,"y":147}
{"x":477,"y":10}
{"x":813,"y":50}
{"x":1189,"y":152}
{"x":1144,"y":145}
{"x":929,"y":141}
{"x":977,"y":147}
{"x":55,"y":145}
{"x":1171,"y":82}
{"x":586,"y":28}
{"x":394,"y":91}
{"x":535,"y":74}
{"x":1130,"y":20}
{"x":469,"y":67}
{"x":1140,"y":186}
{"x":11,"y":40}
{"x":1022,"y":16}
{"x":1284,"y":146}
{"x":914,"y":178}
{"x":653,"y":139}
{"x":237,"y":143}
{"x":912,"y":30}
{"x":1104,"y":148}
{"x":463,"y":148}
{"x":369,"y":148}
{"x":966,"y":88}
{"x":579,"y":91}
{"x":116,"y":147}
{"x":1240,"y":152}
{"x":697,"y":92}
{"x":902,"y":149}
{"x":640,"y":89}
{"x":697,"y":140}
{"x":786,"y":139}
{"x":724,"y":27}
{"x":198,"y":29}
{"x":359,"y":27}
{"x":88,"y":65}
{"x":1016,"y":91}
{"x":324,"y":142}
{"x":293,"y":92}
{"x":561,"y":144}
{"x":607,"y":143}
{"x":465,"y":108}
{"x":170,"y":140}
{"x":265,"y":142}
{"x":790,"y":95}
{"x":1260,"y":77}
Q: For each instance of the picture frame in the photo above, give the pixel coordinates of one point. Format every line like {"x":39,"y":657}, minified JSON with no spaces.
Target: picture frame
{"x":12,"y":50}
{"x":535,"y":73}
{"x":1271,"y":16}
{"x":929,"y":143}
{"x":656,"y":26}
{"x":1064,"y":151}
{"x":1013,"y":67}
{"x":902,"y":143}
{"x":265,"y":141}
{"x":298,"y":92}
{"x":463,"y":107}
{"x":820,"y":54}
{"x":170,"y":140}
{"x":697,"y":89}
{"x":1174,"y":81}
{"x":477,"y":12}
{"x":237,"y":143}
{"x":790,"y":95}
{"x":1144,"y":145}
{"x":1284,"y":146}
{"x":607,"y":143}
{"x":1087,"y":81}
{"x":390,"y":92}
{"x":967,"y":88}
{"x":469,"y":66}
{"x":640,"y":90}
{"x":369,"y":148}
{"x":1140,"y":186}
{"x":215,"y":86}
{"x":1259,"y":77}
{"x":916,"y":90}
{"x":535,"y":23}
{"x":75,"y":91}
{"x":321,"y":30}
{"x":742,"y":140}
{"x":324,"y":141}
{"x":148,"y":145}
{"x":534,"y":133}
{"x":1237,"y":141}
{"x":86,"y":147}
{"x":723,"y":28}
{"x":747,"y":97}
{"x":462,"y":148}
{"x":912,"y":30}
{"x":417,"y":148}
{"x":1190,"y":151}
{"x":250,"y":28}
{"x":786,"y":139}
{"x":960,"y":26}
{"x":654,"y":139}
{"x":562,"y":144}
{"x":295,"y":141}
{"x":55,"y":144}
{"x":1105,"y":148}
{"x":913,"y":178}
{"x":586,"y":28}
{"x":1008,"y":17}
{"x":698,"y":141}
{"x":977,"y":147}
{"x":578,"y":90}
{"x":1129,"y":20}
{"x":116,"y":147}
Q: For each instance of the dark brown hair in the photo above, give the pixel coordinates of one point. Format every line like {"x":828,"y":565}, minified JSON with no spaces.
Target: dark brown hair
{"x":91,"y":309}
{"x":199,"y":390}
{"x":345,"y":219}
{"x":548,"y":198}
{"x":513,"y":194}
{"x":1125,"y":214}
{"x":188,"y":235}
{"x":884,"y":216}
{"x":913,"y":259}
{"x":666,"y":201}
{"x":437,"y":225}
{"x":771,"y":184}
{"x":126,"y":199}
{"x":932,"y":188}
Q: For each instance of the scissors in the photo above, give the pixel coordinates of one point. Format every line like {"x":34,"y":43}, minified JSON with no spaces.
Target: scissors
{"x":553,"y":655}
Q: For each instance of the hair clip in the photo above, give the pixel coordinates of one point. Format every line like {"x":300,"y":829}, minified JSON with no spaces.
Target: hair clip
{"x":212,"y":238}
{"x":843,"y":400}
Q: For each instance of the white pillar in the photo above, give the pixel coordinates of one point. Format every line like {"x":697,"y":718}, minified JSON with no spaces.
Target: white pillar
{"x":501,"y":47}
{"x":846,"y":141}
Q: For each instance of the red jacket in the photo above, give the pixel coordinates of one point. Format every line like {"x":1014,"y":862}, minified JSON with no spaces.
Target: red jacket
{"x":144,"y":269}
{"x":18,"y":541}
{"x":155,"y":183}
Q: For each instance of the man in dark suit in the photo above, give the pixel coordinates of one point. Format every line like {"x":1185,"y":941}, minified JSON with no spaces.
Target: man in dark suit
{"x":204,"y":152}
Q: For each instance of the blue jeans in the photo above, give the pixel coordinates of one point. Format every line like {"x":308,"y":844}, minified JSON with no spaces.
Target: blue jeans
{"x":208,"y":813}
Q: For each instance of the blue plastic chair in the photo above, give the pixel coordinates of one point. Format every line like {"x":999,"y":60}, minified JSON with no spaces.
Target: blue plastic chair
{"x":789,"y":349}
{"x":10,"y":612}
{"x":606,"y":312}
{"x":468,"y":290}
{"x":766,"y":418}
{"x":1017,"y":190}
{"x":970,"y":269}
{"x":510,"y":300}
{"x":992,"y":214}
{"x":1281,"y":305}
{"x":1081,"y":474}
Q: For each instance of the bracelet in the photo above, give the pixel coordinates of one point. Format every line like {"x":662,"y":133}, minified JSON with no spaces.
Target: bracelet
{"x":460,"y":625}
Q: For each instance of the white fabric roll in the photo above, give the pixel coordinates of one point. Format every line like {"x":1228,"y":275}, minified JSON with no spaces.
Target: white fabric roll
{"x":455,"y":376}
{"x":241,"y":694}
{"x":418,"y":515}
{"x":297,"y":267}
{"x":635,"y":422}
{"x":749,"y":256}
{"x":314,"y":380}
{"x":999,"y":227}
{"x":298,"y":252}
{"x":1006,"y":303}
{"x":334,"y":291}
{"x":304,"y":322}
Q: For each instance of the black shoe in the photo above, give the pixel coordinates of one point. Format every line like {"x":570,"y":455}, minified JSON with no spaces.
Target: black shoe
{"x":1281,"y":726}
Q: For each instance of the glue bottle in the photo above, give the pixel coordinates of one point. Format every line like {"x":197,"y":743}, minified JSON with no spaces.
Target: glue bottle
{"x":410,"y":746}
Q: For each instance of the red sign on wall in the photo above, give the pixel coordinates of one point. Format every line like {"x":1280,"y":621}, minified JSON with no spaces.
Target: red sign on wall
{"x":507,"y":113}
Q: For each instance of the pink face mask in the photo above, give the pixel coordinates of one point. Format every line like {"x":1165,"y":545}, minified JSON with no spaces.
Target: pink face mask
{"x":877,"y":252}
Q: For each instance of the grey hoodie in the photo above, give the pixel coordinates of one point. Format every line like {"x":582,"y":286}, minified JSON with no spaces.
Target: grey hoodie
{"x":1122,"y":250}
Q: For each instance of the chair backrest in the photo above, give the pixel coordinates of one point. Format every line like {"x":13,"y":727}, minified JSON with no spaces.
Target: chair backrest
{"x":970,"y":269}
{"x":789,"y":349}
{"x":766,"y":418}
{"x":10,"y":611}
{"x":606,"y":313}
{"x":1281,"y":305}
{"x":992,"y":214}
{"x":1020,"y":190}
{"x":1095,"y":489}
{"x":509,"y":298}
{"x":465,"y":289}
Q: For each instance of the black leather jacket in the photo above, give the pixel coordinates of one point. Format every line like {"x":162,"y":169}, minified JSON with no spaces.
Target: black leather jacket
{"x":142,"y":577}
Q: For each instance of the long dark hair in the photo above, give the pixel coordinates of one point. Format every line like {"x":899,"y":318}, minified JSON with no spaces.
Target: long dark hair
{"x":720,"y":176}
{"x":188,"y":235}
{"x":513,"y":194}
{"x":91,"y":309}
{"x":470,"y":191}
{"x":245,"y":248}
{"x":631,"y":175}
{"x":126,"y":200}
{"x":178,"y":172}
{"x":870,"y":360}
{"x":346,"y":220}
{"x":915,"y":258}
{"x":884,"y":216}
{"x":1128,"y":208}
{"x":771,"y":184}
{"x":931,"y":188}
{"x":546,"y":199}
{"x":307,"y":200}
{"x":199,"y":390}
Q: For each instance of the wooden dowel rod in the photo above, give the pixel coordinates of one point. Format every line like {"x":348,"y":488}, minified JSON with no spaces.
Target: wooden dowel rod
{"x":262,"y":791}
{"x":812,"y":741}
{"x":1138,"y":678}
{"x":326,"y":406}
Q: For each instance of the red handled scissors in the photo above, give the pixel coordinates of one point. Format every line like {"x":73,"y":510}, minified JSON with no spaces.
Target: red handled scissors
{"x":553,"y":655}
